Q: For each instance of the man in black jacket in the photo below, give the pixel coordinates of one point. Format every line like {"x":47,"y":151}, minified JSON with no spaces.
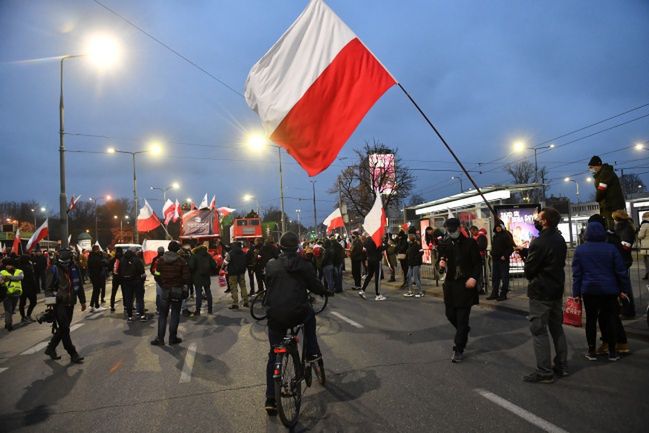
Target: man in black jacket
{"x":374,"y":255}
{"x":97,"y":274}
{"x":459,"y":257}
{"x":608,"y":190}
{"x":289,"y":278}
{"x":356,"y":255}
{"x":544,"y":269}
{"x":235,"y":260}
{"x":131,"y":276}
{"x":502,"y":247}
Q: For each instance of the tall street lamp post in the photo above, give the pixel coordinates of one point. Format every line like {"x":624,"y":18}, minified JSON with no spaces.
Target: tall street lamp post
{"x":249,"y":197}
{"x":520,"y":146}
{"x":121,"y":226}
{"x":174,"y":185}
{"x":315,"y":213}
{"x":299,"y":228}
{"x":459,"y":178}
{"x":95,"y":200}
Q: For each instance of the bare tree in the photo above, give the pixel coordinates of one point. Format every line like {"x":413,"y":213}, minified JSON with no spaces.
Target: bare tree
{"x":632,"y":184}
{"x":523,"y":173}
{"x":356,"y":183}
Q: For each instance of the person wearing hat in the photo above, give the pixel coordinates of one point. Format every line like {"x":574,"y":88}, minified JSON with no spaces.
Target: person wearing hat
{"x":502,"y":247}
{"x":64,"y":287}
{"x":459,"y":258}
{"x":608,"y":190}
{"x":156,"y":277}
{"x":289,"y":278}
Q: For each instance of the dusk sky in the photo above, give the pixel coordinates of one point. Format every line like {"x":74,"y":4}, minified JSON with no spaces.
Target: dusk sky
{"x":487,"y":74}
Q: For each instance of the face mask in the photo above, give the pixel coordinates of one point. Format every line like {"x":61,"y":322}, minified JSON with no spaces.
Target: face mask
{"x":538,"y":225}
{"x":454,"y":235}
{"x":593,"y":170}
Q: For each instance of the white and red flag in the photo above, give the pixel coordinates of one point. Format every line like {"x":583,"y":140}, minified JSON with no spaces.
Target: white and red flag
{"x":204,"y":204}
{"x":73,"y":202}
{"x":15,"y":247}
{"x":225,"y":211}
{"x":147,"y":219}
{"x":40,"y":234}
{"x":213,"y":203}
{"x":374,"y":223}
{"x":168,"y":211}
{"x":178,"y":212}
{"x":334,"y":221}
{"x":314,"y":86}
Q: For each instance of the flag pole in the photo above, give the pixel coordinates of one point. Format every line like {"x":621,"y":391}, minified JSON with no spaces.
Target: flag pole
{"x":475,"y":185}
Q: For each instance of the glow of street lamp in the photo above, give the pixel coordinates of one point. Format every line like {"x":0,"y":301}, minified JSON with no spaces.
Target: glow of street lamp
{"x":43,"y":209}
{"x":109,"y":197}
{"x":589,"y":179}
{"x":567,"y":179}
{"x":189,"y":200}
{"x":175,"y":185}
{"x":103,"y":51}
{"x":256,"y":141}
{"x":114,"y":216}
{"x":519,"y":146}
{"x":110,"y":150}
{"x":248,"y":197}
{"x":126,"y":217}
{"x":639,"y":146}
{"x":155,"y":148}
{"x":552,"y":146}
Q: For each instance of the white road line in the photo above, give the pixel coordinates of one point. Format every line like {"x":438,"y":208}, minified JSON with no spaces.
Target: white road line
{"x":346,"y":319}
{"x":519,"y":411}
{"x":186,"y":375}
{"x":43,"y":344}
{"x":3,"y":369}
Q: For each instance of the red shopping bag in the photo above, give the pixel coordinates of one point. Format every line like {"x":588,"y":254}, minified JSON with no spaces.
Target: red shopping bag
{"x":572,"y":312}
{"x":222,"y":281}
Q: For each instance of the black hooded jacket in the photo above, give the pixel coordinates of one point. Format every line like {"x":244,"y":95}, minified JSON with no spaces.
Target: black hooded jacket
{"x":608,"y":191}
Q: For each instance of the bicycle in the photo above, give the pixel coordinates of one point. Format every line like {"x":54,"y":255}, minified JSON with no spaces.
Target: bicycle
{"x":289,"y":372}
{"x":258,"y":310}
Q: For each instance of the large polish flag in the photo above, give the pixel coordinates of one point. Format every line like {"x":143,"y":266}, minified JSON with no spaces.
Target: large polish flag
{"x":40,"y":234}
{"x":178,"y":212}
{"x":168,"y":211}
{"x":225,"y":211}
{"x":147,"y":219}
{"x":204,"y":204}
{"x":374,"y":222}
{"x":15,"y":246}
{"x":334,"y":221}
{"x":314,"y":86}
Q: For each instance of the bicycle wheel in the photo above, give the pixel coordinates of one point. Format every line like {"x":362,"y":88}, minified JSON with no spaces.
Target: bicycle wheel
{"x":318,"y":367}
{"x":288,"y":387}
{"x":257,"y":310}
{"x":318,"y":302}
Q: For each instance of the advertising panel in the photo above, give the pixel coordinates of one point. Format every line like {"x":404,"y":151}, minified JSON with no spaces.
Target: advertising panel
{"x":428,"y":254}
{"x":519,"y":221}
{"x":199,"y":223}
{"x":382,"y":170}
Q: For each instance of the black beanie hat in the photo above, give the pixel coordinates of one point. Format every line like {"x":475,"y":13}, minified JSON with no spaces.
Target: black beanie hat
{"x":595,"y":161}
{"x":289,"y":241}
{"x":174,"y":246}
{"x":452,"y":224}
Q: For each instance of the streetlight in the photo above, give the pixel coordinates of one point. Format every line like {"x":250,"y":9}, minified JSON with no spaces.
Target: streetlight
{"x":121,"y":225}
{"x":256,"y":142}
{"x":155,"y":149}
{"x":104,"y":52}
{"x":315,"y":213}
{"x":567,"y":179}
{"x":520,"y":146}
{"x":174,"y":185}
{"x":299,"y":228}
{"x":460,"y":179}
{"x":95,"y":200}
{"x":249,"y":197}
{"x":639,"y":146}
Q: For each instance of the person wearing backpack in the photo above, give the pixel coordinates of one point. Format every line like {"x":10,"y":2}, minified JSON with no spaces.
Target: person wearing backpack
{"x":202,"y":266}
{"x":289,"y":278}
{"x":131,"y":274}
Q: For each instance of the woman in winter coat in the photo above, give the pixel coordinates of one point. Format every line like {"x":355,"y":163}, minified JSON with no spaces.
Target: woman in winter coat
{"x":625,"y":230}
{"x":643,"y":243}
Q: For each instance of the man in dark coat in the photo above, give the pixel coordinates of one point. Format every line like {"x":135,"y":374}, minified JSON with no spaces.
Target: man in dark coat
{"x":544,"y":270}
{"x":202,"y":266}
{"x":374,"y":255}
{"x":97,"y":274}
{"x":459,"y":257}
{"x":502,"y":247}
{"x":608,"y":190}
{"x":235,"y":260}
{"x":356,"y":255}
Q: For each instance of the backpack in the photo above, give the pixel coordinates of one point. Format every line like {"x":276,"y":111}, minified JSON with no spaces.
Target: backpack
{"x":287,"y":307}
{"x":127,"y":268}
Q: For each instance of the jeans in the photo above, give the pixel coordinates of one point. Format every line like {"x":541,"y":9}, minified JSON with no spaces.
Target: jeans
{"x":628,"y":307}
{"x":329,"y":277}
{"x":139,"y":297}
{"x":500,"y":273}
{"x":373,"y":270}
{"x":98,"y":284}
{"x":199,"y":297}
{"x":338,"y":278}
{"x":275,"y":337}
{"x":158,"y":296}
{"x":63,"y":318}
{"x":414,"y":275}
{"x":174,"y":320}
{"x":236,"y":282}
{"x":356,"y":272}
{"x":544,"y":316}
{"x":9,"y":304}
{"x":459,"y":318}
{"x":604,"y":308}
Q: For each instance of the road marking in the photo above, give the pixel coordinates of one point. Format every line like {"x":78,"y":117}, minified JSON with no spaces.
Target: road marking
{"x":346,"y":319}
{"x":3,"y":369}
{"x":519,"y":411}
{"x":43,"y":344}
{"x":186,"y":375}
{"x":116,"y":367}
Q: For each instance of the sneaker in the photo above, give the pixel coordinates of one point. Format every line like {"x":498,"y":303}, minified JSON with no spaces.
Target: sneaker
{"x":491,"y":297}
{"x":560,"y":371}
{"x":380,"y":298}
{"x":233,"y":307}
{"x":143,"y":318}
{"x":103,"y":301}
{"x":314,"y":358}
{"x":157,"y":342}
{"x":76,"y":359}
{"x":130,"y":319}
{"x":176,"y":340}
{"x":622,"y":348}
{"x":112,"y":309}
{"x":100,"y":309}
{"x":51,"y":352}
{"x":501,"y":298}
{"x":602,"y":350}
{"x":538,"y":378}
{"x":591,"y":355}
{"x":197,"y":313}
{"x":457,"y":357}
{"x":361,"y":293}
{"x":419,"y":295}
{"x":408,"y":294}
{"x":614,"y":356}
{"x":270,"y":406}
{"x":92,"y":309}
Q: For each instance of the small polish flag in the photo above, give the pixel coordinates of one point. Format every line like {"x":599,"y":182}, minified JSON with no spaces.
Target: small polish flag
{"x":204,"y":204}
{"x":374,"y":222}
{"x":40,"y":234}
{"x":100,"y":248}
{"x":168,"y":211}
{"x":15,"y":247}
{"x":178,"y":212}
{"x":334,"y":221}
{"x":147,"y":219}
{"x":314,"y":86}
{"x":73,"y":202}
{"x":213,"y":203}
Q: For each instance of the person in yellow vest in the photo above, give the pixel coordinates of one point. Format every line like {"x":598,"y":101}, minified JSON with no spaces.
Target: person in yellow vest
{"x":12,"y":278}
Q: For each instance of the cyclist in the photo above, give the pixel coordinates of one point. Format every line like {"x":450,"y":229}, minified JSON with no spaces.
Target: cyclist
{"x":288,"y":280}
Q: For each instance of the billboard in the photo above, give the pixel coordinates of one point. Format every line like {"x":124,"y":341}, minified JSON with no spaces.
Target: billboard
{"x":383,"y":171}
{"x":199,"y":223}
{"x":519,"y":221}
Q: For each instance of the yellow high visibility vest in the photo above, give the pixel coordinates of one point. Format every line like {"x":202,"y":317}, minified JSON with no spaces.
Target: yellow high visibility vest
{"x":14,"y":288}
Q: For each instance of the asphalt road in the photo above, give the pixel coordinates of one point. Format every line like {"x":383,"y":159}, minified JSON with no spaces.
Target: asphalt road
{"x":388,"y":368}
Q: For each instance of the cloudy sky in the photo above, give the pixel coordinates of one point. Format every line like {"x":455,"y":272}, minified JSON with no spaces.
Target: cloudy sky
{"x":487,"y":73}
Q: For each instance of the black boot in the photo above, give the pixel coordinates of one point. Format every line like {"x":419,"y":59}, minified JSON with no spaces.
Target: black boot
{"x":76,"y":359}
{"x":493,"y":296}
{"x":51,"y":352}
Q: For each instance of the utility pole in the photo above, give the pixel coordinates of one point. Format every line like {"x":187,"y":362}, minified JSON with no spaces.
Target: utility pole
{"x":315,"y":214}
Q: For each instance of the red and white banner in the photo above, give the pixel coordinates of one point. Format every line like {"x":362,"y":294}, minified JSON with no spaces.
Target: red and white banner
{"x":73,"y":202}
{"x":15,"y":247}
{"x":334,"y":221}
{"x":147,"y":219}
{"x":40,"y":234}
{"x":374,"y":222}
{"x":314,"y":86}
{"x":150,"y":249}
{"x":213,"y":203}
{"x":178,"y":212}
{"x":168,"y":211}
{"x":225,"y":211}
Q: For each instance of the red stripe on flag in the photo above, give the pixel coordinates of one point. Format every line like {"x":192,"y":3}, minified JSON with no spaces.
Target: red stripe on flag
{"x":320,"y":123}
{"x":336,"y":223}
